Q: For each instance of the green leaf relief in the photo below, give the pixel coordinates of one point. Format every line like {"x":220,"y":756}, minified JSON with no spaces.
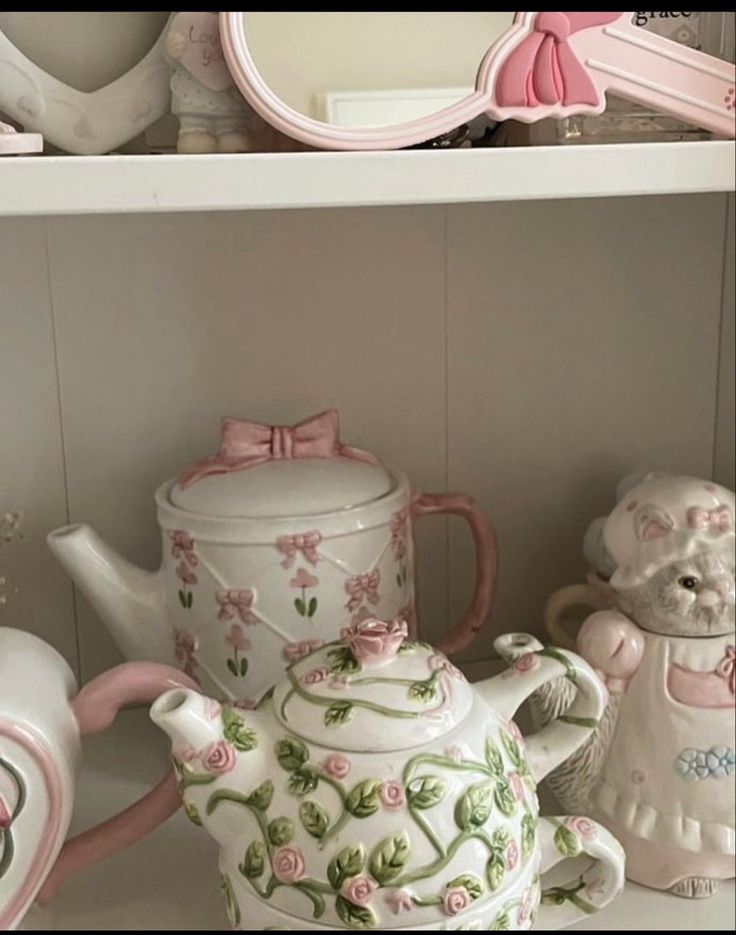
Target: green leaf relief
{"x":232,"y":668}
{"x":339,"y":713}
{"x":190,"y":600}
{"x":363,"y":801}
{"x":502,"y":923}
{"x":342,"y":661}
{"x":471,"y":883}
{"x":389,"y":858}
{"x":243,"y":667}
{"x":242,"y":737}
{"x":496,"y":870}
{"x":423,"y":692}
{"x":348,"y":863}
{"x":474,"y":808}
{"x":254,"y":863}
{"x":301,"y":607}
{"x":494,"y":758}
{"x":190,"y":810}
{"x":183,"y":599}
{"x":291,"y":753}
{"x":567,"y":842}
{"x":528,"y":835}
{"x":426,"y":791}
{"x":231,"y":903}
{"x":514,"y":751}
{"x":356,"y":917}
{"x":312,"y":610}
{"x":505,"y":798}
{"x":315,"y":819}
{"x":303,"y":781}
{"x":261,"y":798}
{"x":501,"y":839}
{"x":280,"y":832}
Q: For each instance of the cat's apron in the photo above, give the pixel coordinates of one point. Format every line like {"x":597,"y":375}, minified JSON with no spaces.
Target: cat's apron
{"x":669,"y":776}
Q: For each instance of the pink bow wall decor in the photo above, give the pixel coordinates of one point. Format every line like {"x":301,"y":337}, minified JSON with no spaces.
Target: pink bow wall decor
{"x":544,"y":68}
{"x":718,"y":522}
{"x":363,"y":588}
{"x":244,"y":445}
{"x":305,"y":544}
{"x":234,"y":602}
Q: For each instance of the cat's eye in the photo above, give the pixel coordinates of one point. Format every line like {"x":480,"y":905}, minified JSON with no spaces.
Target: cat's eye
{"x":689,"y":583}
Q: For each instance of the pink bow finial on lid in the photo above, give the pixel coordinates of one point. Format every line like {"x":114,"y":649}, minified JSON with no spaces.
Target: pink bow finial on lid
{"x":544,"y":68}
{"x":306,"y":544}
{"x":718,"y":522}
{"x":244,"y":445}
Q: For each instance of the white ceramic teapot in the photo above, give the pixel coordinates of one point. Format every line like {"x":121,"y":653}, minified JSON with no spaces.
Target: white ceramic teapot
{"x":42,"y":719}
{"x":376,"y":788}
{"x":275,"y":544}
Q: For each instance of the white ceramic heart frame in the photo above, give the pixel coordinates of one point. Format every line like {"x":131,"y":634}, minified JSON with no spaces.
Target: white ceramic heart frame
{"x":84,"y":122}
{"x":546,"y":65}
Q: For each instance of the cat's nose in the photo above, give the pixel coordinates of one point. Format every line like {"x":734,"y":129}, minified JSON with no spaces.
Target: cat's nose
{"x":710,"y":598}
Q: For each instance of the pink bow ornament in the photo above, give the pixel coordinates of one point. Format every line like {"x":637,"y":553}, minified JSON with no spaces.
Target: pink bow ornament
{"x":236,"y":602}
{"x":245,"y":445}
{"x":717,"y":522}
{"x":305,"y":544}
{"x":727,"y":668}
{"x":363,"y":587}
{"x":544,"y":69}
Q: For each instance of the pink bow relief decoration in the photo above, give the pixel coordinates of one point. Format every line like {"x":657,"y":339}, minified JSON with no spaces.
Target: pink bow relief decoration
{"x":544,"y":68}
{"x":718,"y":522}
{"x":236,"y":602}
{"x":727,"y":668}
{"x":244,"y":445}
{"x":305,"y":544}
{"x":363,"y":588}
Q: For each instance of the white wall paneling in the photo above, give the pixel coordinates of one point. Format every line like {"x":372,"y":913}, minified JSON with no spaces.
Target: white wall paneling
{"x":725,"y":470}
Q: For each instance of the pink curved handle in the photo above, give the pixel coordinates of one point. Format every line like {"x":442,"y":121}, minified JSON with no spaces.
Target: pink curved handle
{"x":486,"y":562}
{"x":95,"y":709}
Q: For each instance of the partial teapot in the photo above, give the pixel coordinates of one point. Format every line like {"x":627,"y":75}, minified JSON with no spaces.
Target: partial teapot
{"x":376,"y":788}
{"x":659,"y":772}
{"x":276,"y":543}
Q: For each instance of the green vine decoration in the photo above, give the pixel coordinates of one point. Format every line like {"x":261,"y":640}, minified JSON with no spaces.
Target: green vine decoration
{"x":559,"y":895}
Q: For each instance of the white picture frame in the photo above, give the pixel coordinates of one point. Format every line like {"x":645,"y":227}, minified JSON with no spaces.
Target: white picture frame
{"x":84,"y":122}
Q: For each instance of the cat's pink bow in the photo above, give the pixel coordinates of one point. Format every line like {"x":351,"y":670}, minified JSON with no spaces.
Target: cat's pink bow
{"x":544,"y":68}
{"x":234,"y":602}
{"x":727,"y":668}
{"x":363,"y":587}
{"x":305,"y":544}
{"x":246,"y":444}
{"x":718,"y":522}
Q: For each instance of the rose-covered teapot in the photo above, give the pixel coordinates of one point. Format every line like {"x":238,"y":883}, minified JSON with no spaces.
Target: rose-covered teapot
{"x":374,"y":787}
{"x":42,"y":719}
{"x":276,"y":543}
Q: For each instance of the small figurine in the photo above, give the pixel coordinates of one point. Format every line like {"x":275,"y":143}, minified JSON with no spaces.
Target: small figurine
{"x":213,"y":115}
{"x":659,"y":772}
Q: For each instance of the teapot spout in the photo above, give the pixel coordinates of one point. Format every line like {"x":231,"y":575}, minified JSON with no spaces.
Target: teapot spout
{"x":191,"y":721}
{"x":129,"y":600}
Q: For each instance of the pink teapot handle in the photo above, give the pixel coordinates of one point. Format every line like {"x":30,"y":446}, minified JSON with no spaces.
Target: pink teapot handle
{"x":486,"y":562}
{"x":95,"y":709}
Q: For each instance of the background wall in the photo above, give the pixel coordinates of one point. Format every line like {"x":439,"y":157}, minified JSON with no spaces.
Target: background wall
{"x":528,"y":354}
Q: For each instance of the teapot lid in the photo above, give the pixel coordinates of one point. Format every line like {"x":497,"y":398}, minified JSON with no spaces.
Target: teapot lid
{"x":375,"y":690}
{"x":275,"y":471}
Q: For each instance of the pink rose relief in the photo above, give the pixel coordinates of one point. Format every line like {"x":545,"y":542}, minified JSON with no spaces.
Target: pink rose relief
{"x":442,"y":664}
{"x":583,"y":827}
{"x":517,"y":786}
{"x":288,"y":864}
{"x":527,"y":663}
{"x":337,"y":766}
{"x":512,"y":856}
{"x":393,"y":796}
{"x":293,"y":652}
{"x":525,"y":910}
{"x":316,"y":676}
{"x":359,"y":890}
{"x":456,"y":900}
{"x":219,"y":758}
{"x":374,"y":642}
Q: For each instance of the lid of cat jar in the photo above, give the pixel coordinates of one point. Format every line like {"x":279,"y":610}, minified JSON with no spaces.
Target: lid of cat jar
{"x":263,"y":471}
{"x":373,"y":691}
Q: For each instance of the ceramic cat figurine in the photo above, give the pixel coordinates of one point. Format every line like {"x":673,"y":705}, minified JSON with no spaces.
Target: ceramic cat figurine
{"x":659,"y":771}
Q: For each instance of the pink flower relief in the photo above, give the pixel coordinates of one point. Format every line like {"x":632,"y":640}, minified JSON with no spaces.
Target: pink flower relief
{"x":185,"y":645}
{"x":529,"y":662}
{"x":339,"y":683}
{"x":512,"y":856}
{"x":442,"y":664}
{"x":5,"y":815}
{"x":393,"y":796}
{"x":526,"y":908}
{"x":374,"y":642}
{"x":455,"y":901}
{"x":303,"y":579}
{"x":182,"y":546}
{"x":288,"y":864}
{"x":185,"y":574}
{"x":237,"y":639}
{"x":399,"y":901}
{"x":359,"y":890}
{"x":219,"y":758}
{"x":294,"y":652}
{"x":517,"y":786}
{"x":186,"y":754}
{"x":583,"y":827}
{"x":337,"y":766}
{"x":316,"y":676}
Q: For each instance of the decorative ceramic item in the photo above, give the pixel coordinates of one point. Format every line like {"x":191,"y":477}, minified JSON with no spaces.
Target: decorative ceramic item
{"x":660,"y":770}
{"x":376,"y":788}
{"x":535,"y":66}
{"x":88,"y":82}
{"x":271,"y":547}
{"x":41,"y":723}
{"x":13,"y":143}
{"x":213,"y":115}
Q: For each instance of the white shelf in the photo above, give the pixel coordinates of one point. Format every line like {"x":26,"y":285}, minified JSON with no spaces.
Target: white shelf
{"x":133,"y":184}
{"x":169,"y":882}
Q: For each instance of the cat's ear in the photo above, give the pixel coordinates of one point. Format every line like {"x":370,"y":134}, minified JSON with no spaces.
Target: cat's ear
{"x":651,"y":522}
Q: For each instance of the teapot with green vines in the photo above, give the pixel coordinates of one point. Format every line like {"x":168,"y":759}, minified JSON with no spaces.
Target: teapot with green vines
{"x":375,"y":788}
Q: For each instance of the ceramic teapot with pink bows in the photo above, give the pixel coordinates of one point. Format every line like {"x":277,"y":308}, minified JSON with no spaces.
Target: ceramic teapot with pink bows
{"x":276,"y":543}
{"x":376,"y":788}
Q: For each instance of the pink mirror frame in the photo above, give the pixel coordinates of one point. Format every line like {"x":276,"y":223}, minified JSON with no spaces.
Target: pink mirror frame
{"x":547,"y":65}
